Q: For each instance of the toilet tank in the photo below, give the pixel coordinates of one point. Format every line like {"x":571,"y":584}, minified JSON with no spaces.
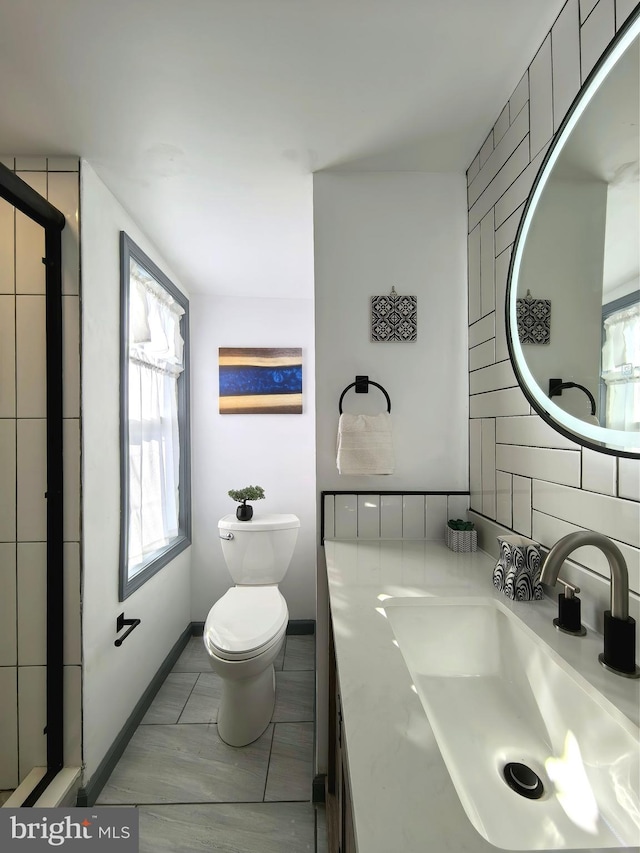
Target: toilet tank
{"x":258,"y":551}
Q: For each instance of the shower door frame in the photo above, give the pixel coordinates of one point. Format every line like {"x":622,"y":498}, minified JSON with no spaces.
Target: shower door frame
{"x":25,"y":199}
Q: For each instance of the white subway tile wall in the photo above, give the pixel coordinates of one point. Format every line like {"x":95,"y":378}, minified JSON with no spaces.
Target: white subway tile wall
{"x":395,"y":516}
{"x":23,"y":470}
{"x":533,"y":480}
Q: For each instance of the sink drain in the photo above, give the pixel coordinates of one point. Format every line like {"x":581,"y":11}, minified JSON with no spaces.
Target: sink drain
{"x":523,"y":780}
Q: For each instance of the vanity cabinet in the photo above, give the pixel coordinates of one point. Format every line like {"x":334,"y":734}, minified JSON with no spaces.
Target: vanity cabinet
{"x":340,"y":826}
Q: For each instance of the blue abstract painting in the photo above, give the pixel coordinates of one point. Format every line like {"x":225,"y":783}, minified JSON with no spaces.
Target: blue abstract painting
{"x":260,"y":381}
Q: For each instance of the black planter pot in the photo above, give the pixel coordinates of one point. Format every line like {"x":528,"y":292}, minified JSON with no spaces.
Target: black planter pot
{"x":244,"y":512}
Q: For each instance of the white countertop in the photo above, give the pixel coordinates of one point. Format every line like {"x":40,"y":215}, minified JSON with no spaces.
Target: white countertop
{"x":403,"y":797}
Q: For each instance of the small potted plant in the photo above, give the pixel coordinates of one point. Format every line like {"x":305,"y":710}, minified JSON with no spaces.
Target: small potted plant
{"x":250,"y":493}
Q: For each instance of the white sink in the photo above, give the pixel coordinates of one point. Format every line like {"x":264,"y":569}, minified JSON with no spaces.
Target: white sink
{"x":495,"y":693}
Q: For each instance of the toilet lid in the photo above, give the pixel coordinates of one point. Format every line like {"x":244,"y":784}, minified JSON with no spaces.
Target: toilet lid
{"x":246,"y":618}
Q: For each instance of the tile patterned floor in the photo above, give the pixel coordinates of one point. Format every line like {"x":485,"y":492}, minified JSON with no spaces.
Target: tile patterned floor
{"x":194,"y":792}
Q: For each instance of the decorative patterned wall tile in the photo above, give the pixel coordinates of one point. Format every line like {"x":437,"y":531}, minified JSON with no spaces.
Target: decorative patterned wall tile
{"x":7,"y":258}
{"x":8,"y":728}
{"x":617,"y":518}
{"x":483,"y":330}
{"x":504,"y":498}
{"x":540,"y":98}
{"x":413,"y":516}
{"x":482,"y":355}
{"x":522,"y":505}
{"x":556,"y":466}
{"x":7,"y":357}
{"x":629,"y":479}
{"x":8,"y":646}
{"x":595,"y":34}
{"x":489,"y":467}
{"x":565,"y":45}
{"x":599,"y":472}
{"x":487,"y":264}
{"x":368,"y":516}
{"x":391,"y":516}
{"x":511,"y":401}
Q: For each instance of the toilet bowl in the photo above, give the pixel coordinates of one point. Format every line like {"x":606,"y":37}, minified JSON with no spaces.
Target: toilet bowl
{"x":245,"y":629}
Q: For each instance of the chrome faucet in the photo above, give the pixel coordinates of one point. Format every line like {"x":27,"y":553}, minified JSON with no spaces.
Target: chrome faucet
{"x":619,"y":627}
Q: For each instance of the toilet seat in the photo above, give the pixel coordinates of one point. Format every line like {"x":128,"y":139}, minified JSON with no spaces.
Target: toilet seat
{"x":245,"y":622}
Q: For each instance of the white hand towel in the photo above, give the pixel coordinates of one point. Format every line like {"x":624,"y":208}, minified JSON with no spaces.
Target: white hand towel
{"x":365,"y":444}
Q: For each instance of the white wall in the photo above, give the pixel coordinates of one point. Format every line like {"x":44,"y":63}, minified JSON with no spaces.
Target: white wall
{"x":525,"y":476}
{"x":372,"y":231}
{"x":232,"y":451}
{"x":113,"y":678}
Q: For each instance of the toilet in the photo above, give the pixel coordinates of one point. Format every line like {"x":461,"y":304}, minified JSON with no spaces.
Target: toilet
{"x":245,"y":629}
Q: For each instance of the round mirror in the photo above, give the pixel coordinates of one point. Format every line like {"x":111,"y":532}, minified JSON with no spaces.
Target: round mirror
{"x":573,"y":295}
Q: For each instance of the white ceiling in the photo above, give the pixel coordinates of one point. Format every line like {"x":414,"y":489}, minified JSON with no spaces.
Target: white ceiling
{"x":206,"y":118}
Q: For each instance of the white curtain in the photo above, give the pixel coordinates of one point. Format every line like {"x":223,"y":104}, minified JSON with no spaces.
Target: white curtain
{"x":621,"y":369}
{"x":155,"y":363}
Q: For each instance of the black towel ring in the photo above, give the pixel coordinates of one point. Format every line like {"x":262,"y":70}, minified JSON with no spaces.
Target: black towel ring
{"x":362,"y":387}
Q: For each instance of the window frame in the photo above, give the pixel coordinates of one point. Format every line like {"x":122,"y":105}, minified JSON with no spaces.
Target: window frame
{"x":160,"y":558}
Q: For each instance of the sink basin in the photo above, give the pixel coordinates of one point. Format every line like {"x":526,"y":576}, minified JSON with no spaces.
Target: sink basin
{"x":496,"y":694}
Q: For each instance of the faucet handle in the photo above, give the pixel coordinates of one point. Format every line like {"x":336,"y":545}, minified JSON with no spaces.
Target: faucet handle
{"x":568,"y":620}
{"x":569,"y":589}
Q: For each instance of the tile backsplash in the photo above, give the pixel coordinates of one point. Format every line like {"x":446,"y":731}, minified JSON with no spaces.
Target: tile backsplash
{"x":523,"y":475}
{"x":395,"y":515}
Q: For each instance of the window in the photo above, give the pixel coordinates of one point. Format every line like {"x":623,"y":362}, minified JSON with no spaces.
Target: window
{"x":620,"y":394}
{"x":155,"y":516}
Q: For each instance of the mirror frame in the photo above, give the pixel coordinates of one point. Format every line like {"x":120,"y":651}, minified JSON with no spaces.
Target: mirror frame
{"x":601,"y":439}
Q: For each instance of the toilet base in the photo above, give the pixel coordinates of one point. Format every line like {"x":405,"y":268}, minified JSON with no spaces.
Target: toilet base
{"x":246,"y":707}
